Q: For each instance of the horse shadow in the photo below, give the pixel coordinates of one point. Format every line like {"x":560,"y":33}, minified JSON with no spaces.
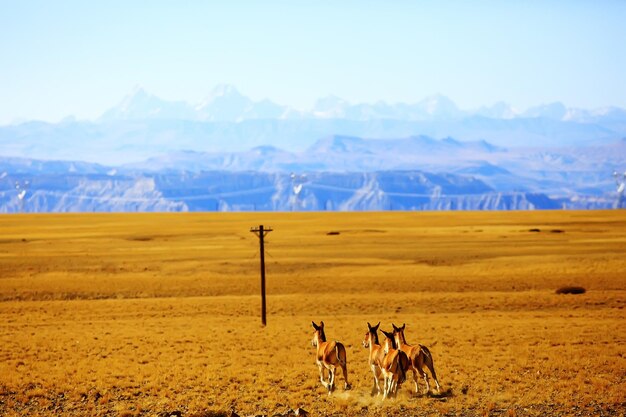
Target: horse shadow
{"x":448,"y":393}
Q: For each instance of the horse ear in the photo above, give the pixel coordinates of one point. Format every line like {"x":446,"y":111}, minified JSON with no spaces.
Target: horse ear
{"x":403,"y":326}
{"x":315,"y":325}
{"x":395,"y":329}
{"x":376,"y":327}
{"x":321,"y":324}
{"x":388,"y":334}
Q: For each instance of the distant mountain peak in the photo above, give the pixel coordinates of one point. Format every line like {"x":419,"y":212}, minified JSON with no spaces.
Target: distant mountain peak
{"x":439,"y":106}
{"x":498,"y":110}
{"x":137,"y":94}
{"x":336,"y":143}
{"x":437,"y":99}
{"x":555,"y":110}
{"x":224,"y":90}
{"x":330,"y":103}
{"x":137,"y":89}
{"x":224,"y":103}
{"x":140,"y":104}
{"x":450,"y":141}
{"x":222,"y":93}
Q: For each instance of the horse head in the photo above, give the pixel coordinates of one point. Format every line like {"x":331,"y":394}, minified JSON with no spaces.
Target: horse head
{"x":398,"y":333}
{"x":389,"y":342}
{"x":318,"y":335}
{"x":371,"y":336}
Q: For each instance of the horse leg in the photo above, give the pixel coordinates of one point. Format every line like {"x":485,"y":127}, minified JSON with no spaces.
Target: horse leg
{"x":386,"y":387}
{"x":389,"y":385}
{"x":379,"y":376}
{"x":321,"y":368}
{"x":376,"y":372}
{"x":431,"y":368}
{"x":375,"y":388}
{"x":331,"y":379}
{"x":415,"y":380}
{"x":347,"y":385}
{"x":425,"y":376}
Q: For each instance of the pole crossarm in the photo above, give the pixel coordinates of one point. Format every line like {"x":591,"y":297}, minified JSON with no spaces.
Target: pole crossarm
{"x":258,"y":230}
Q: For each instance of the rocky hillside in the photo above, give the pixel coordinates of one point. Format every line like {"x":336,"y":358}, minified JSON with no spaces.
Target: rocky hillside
{"x":258,"y":191}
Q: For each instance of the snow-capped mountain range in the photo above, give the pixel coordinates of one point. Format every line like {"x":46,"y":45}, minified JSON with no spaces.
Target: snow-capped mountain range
{"x":142,"y":126}
{"x":226,"y":104}
{"x":229,"y":152}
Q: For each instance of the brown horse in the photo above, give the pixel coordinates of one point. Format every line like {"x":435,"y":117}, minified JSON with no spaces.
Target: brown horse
{"x":330,"y":356}
{"x":394,"y":366}
{"x":376,"y":355}
{"x":419,"y":356}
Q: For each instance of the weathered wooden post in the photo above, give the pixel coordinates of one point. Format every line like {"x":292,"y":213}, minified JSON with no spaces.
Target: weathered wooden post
{"x":261,"y":232}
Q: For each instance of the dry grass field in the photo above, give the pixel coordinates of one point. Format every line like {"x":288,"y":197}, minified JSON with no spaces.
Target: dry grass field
{"x":147,"y":314}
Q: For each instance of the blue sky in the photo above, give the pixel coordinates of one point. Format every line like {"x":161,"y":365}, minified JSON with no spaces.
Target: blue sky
{"x":80,"y":58}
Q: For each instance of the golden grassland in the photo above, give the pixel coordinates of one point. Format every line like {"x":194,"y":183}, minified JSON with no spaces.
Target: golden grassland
{"x":140,"y":314}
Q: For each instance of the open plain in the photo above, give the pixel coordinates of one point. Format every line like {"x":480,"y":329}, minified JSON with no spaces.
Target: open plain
{"x":152,"y":314}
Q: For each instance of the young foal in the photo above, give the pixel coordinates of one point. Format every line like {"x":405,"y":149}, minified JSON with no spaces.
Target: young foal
{"x":394,"y":366}
{"x":418,"y":355}
{"x":376,"y":354}
{"x":330,"y":355}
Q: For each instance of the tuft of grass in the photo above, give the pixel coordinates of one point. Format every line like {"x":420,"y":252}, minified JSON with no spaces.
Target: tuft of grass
{"x":571,"y":290}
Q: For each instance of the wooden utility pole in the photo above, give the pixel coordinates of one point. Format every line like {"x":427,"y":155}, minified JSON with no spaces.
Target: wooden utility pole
{"x":261,"y":232}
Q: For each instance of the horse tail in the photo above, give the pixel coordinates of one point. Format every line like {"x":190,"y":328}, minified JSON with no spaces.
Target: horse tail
{"x":340,"y":351}
{"x":428,"y":358}
{"x":403,"y":361}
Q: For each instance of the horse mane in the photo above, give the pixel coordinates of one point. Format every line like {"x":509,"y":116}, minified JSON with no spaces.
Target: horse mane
{"x":393,"y":343}
{"x":375,"y":334}
{"x":391,"y":339}
{"x":322,"y":335}
{"x":374,"y":331}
